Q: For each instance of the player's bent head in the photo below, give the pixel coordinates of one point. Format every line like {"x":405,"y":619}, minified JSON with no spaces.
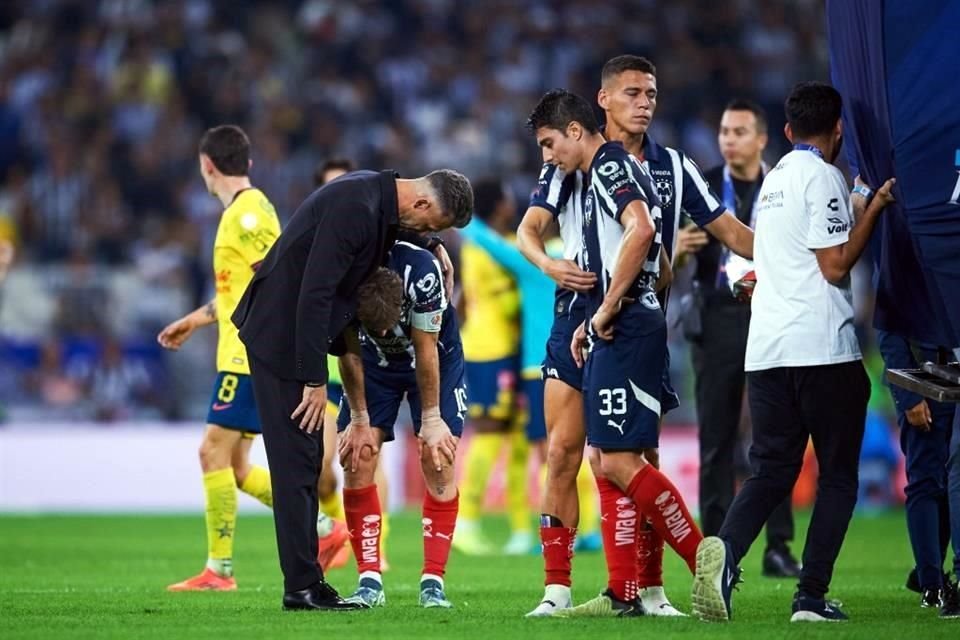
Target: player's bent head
{"x":332,"y":169}
{"x":380,"y":301}
{"x":454,"y":197}
{"x":228,"y":149}
{"x":616,"y":67}
{"x":561,"y":121}
{"x":813,"y":110}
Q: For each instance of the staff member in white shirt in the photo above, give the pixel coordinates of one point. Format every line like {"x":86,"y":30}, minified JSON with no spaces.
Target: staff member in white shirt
{"x":803,"y":361}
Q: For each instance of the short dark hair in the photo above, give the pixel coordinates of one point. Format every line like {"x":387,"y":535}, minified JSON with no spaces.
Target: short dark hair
{"x":380,"y":301}
{"x":743,"y":104}
{"x":228,"y":148}
{"x":454,"y":193}
{"x":626,"y":62}
{"x":558,"y":108}
{"x":344,"y":164}
{"x":487,"y":194}
{"x":812,"y":109}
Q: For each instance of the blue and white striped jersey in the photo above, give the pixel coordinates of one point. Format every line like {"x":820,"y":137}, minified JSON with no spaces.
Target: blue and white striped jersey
{"x":425,"y":307}
{"x":562,"y":195}
{"x":616,"y":180}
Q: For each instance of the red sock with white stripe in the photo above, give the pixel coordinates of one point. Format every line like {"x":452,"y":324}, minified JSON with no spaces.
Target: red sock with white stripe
{"x":649,"y":556}
{"x":439,"y":520}
{"x":365,"y":521}
{"x":663,"y":505}
{"x":619,"y":519}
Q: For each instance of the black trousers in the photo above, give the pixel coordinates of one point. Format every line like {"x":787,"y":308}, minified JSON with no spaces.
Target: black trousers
{"x":720,"y":380}
{"x":790,"y":405}
{"x":295,"y":458}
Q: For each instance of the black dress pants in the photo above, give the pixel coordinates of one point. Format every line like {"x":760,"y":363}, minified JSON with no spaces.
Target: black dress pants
{"x":790,"y":405}
{"x":295,"y":458}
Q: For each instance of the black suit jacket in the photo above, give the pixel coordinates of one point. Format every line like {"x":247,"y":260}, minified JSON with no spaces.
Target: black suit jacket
{"x":304,"y":294}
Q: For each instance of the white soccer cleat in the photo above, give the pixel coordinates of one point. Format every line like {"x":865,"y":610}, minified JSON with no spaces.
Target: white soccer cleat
{"x":655,"y":603}
{"x":556,"y":597}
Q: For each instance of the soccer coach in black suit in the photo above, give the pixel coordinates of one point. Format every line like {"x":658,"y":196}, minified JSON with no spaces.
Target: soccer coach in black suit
{"x":292,"y":315}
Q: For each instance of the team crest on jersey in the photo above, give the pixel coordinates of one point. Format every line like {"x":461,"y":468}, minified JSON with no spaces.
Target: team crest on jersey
{"x":665,"y":192}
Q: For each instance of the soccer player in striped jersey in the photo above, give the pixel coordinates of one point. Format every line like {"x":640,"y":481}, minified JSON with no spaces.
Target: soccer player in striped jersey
{"x":628,"y":97}
{"x":627,"y":331}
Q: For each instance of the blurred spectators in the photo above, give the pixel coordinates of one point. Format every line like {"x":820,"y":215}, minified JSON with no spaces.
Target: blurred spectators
{"x":102,"y":103}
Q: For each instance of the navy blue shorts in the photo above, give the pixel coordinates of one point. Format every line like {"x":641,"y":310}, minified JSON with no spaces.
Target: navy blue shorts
{"x":559,"y":363}
{"x":386,"y":388}
{"x":623,"y":379}
{"x":536,"y":420}
{"x":493,"y":388}
{"x":669,"y":399}
{"x":232,"y":405}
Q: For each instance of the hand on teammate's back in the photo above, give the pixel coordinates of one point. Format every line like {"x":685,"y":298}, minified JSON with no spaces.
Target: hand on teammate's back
{"x":312,"y":407}
{"x":436,"y":436}
{"x":569,"y":275}
{"x":446,"y":268}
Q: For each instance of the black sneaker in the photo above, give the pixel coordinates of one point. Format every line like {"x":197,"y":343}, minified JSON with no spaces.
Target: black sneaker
{"x":807,"y":609}
{"x":931,"y":598}
{"x":951,"y":601}
{"x":714,"y":580}
{"x":780,"y":563}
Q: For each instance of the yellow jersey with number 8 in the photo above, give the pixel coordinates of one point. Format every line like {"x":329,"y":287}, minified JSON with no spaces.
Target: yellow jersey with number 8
{"x":247,"y":230}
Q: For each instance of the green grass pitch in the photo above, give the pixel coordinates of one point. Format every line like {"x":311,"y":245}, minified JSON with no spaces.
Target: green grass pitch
{"x":104,"y":576}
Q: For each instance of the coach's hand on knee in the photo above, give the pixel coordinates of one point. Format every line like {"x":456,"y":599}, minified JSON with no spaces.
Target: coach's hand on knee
{"x":312,"y":407}
{"x":436,"y":436}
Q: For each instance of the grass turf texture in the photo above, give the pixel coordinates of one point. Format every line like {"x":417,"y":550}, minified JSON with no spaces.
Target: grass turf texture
{"x":104,"y":576}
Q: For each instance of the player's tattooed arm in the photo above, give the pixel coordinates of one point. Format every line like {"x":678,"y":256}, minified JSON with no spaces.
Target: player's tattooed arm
{"x":176,"y":333}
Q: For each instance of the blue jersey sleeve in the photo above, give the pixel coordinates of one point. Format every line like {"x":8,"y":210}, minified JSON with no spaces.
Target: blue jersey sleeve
{"x":553,"y":189}
{"x":699,"y":201}
{"x":425,"y":293}
{"x":619,"y":181}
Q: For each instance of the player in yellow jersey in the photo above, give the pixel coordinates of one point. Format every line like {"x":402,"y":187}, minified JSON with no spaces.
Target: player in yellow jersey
{"x":491,"y":341}
{"x":247,"y":230}
{"x":331,"y":517}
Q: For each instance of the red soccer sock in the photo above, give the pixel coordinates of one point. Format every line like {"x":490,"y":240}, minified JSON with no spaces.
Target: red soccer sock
{"x":660,"y":501}
{"x":649,"y":556}
{"x":619,"y":522}
{"x":557,"y":545}
{"x":439,"y":520}
{"x":365,"y":521}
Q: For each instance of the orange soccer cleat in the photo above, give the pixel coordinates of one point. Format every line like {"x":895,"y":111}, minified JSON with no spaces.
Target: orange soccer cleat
{"x":208,"y":580}
{"x":329,"y":555}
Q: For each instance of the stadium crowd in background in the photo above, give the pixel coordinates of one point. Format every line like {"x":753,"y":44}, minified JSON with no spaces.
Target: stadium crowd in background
{"x":101,"y":104}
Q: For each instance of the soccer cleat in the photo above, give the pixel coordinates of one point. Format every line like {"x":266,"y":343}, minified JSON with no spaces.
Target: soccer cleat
{"x":951,"y":601}
{"x":208,"y":580}
{"x":588,"y":543}
{"x":655,"y":603}
{"x":369,"y":594}
{"x":432,"y":596}
{"x":556,"y":597}
{"x":807,"y":609}
{"x":605,"y":605}
{"x":931,"y":598}
{"x":520,"y":543}
{"x":714,"y":581}
{"x":332,"y":544}
{"x":780,"y":563}
{"x":471,"y":542}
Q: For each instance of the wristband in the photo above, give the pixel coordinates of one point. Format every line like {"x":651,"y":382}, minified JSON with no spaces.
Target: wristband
{"x":313,"y":385}
{"x":432,"y":412}
{"x":862,"y":190}
{"x":356,"y":415}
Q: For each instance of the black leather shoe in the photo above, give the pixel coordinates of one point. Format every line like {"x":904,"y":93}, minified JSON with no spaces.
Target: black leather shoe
{"x":779,"y":563}
{"x":951,"y":601}
{"x":318,"y":596}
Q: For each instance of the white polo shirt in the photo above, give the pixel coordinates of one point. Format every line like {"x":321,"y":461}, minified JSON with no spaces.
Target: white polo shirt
{"x":798,"y":318}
